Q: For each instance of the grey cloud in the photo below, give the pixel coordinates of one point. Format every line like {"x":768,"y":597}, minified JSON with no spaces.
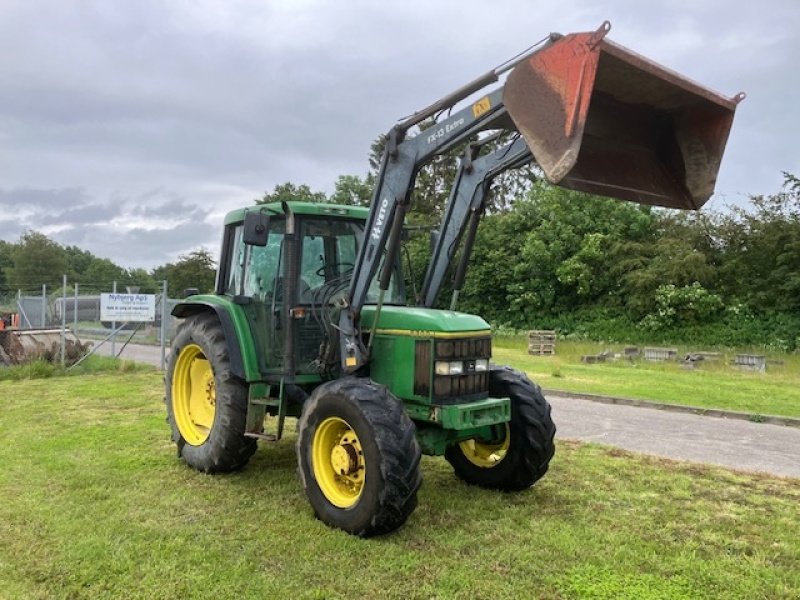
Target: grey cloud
{"x":16,"y":199}
{"x":139,"y":106}
{"x":10,"y":230}
{"x":172,"y":209}
{"x":86,"y":221}
{"x":78,"y":216}
{"x":140,"y":247}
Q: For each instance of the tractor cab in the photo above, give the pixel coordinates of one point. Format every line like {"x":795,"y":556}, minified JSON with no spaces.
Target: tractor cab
{"x":307,"y":272}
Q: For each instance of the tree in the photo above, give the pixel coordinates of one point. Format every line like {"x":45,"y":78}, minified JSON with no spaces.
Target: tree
{"x":761,"y":251}
{"x":36,"y":260}
{"x":682,"y":251}
{"x":434,"y":180}
{"x":6,"y":263}
{"x":78,"y":261}
{"x":288,"y":192}
{"x":100,"y":276}
{"x":193,"y":270}
{"x":551,"y":254}
{"x":687,"y":305}
{"x":352,"y":189}
{"x":142,"y":279}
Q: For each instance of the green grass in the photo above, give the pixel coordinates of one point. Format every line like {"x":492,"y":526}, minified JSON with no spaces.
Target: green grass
{"x":42,"y":369}
{"x":94,"y":504}
{"x":711,"y":385}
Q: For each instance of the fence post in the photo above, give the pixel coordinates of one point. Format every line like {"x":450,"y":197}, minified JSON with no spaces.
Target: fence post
{"x":114,"y":328}
{"x":22,"y":312}
{"x":44,"y":305}
{"x":164,"y":315}
{"x":75,"y":311}
{"x":63,"y":320}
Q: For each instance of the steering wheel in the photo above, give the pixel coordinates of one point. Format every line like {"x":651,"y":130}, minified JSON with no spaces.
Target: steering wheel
{"x":334,"y":268}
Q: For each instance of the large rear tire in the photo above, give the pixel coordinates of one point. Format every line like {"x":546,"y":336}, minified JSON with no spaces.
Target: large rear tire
{"x":519,"y":453}
{"x":206,"y":403}
{"x":358,"y":457}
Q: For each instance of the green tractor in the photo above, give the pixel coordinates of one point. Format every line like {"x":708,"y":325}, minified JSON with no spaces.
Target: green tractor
{"x":310,"y":317}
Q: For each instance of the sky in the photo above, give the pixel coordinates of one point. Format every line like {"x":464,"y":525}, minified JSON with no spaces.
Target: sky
{"x":130,"y":128}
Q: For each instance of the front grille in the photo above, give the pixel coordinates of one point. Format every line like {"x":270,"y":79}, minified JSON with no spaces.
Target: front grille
{"x":467,"y":348}
{"x":459,"y":386}
{"x":471,"y":384}
{"x":422,"y":367}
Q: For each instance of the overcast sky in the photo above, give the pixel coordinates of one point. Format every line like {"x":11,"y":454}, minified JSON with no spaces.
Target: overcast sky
{"x":129,"y":128}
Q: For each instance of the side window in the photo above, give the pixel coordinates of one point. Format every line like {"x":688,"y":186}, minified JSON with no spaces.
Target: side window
{"x":346,"y":250}
{"x":264,"y":263}
{"x":313,"y":261}
{"x":236,"y":258}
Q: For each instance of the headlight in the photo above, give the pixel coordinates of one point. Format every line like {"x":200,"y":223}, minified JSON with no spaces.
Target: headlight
{"x":482,"y":364}
{"x":444,"y":367}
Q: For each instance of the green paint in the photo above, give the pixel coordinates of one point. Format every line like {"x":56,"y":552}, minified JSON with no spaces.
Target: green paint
{"x":434,"y":441}
{"x":489,"y":411}
{"x":414,"y":318}
{"x":241,"y":326}
{"x":393,"y":365}
{"x":359,"y":213}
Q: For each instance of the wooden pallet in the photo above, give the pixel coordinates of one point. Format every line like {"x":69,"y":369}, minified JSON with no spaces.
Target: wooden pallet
{"x":542,"y":342}
{"x":660,"y":354}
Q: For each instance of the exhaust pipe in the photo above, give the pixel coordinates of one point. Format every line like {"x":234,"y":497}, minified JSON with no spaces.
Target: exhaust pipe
{"x":601,"y":119}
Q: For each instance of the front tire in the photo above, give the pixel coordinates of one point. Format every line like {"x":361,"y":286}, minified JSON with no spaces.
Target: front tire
{"x":206,"y":403}
{"x":519,"y":452}
{"x":358,"y":457}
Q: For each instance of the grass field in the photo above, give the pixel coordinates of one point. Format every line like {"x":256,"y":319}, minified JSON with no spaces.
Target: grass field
{"x":94,"y":504}
{"x":712,"y":385}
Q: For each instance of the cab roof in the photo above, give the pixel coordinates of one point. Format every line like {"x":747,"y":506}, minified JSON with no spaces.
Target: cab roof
{"x":301,"y":208}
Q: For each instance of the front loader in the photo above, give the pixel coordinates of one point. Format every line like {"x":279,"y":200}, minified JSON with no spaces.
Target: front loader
{"x":309,"y":317}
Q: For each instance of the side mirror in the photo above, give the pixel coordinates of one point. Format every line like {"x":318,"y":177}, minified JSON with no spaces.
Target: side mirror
{"x":255,"y":229}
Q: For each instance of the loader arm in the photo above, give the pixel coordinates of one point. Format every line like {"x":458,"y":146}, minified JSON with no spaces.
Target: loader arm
{"x":401,"y":161}
{"x":465,"y":207}
{"x":597,"y":118}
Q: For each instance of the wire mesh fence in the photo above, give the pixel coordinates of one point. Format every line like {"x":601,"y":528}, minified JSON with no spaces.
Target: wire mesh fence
{"x":37,"y":317}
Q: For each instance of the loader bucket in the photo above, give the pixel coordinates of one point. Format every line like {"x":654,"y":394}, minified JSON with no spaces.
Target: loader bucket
{"x":602,"y":119}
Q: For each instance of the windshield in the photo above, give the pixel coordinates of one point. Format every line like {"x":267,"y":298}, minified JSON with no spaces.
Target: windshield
{"x":329,"y":251}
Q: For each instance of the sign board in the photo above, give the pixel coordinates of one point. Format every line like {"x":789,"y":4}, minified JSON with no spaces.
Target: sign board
{"x":128,"y":307}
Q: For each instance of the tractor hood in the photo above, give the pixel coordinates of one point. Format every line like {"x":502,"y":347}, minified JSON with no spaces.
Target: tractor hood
{"x":424,"y":322}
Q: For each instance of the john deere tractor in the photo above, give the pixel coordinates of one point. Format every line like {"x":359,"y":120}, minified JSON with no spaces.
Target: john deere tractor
{"x":310,"y":318}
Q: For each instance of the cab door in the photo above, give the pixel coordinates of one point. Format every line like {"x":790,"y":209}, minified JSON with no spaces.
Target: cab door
{"x":255,"y":281}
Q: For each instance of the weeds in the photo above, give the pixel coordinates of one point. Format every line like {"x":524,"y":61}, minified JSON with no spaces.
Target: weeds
{"x":41,"y":369}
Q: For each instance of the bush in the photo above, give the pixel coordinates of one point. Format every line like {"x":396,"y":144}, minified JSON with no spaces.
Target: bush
{"x":734,"y":327}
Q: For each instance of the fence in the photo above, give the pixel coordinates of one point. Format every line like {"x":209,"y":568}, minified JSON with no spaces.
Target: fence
{"x":72,"y":312}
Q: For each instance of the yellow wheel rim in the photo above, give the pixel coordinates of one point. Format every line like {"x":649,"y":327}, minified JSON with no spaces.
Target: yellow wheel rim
{"x":193,"y":395}
{"x":338,"y":462}
{"x":486,"y":454}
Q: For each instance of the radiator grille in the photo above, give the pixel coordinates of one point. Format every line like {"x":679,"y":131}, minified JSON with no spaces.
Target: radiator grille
{"x":469,"y":385}
{"x":422,"y":367}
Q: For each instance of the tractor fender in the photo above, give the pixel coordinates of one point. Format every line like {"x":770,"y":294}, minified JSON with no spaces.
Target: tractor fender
{"x":234,"y":326}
